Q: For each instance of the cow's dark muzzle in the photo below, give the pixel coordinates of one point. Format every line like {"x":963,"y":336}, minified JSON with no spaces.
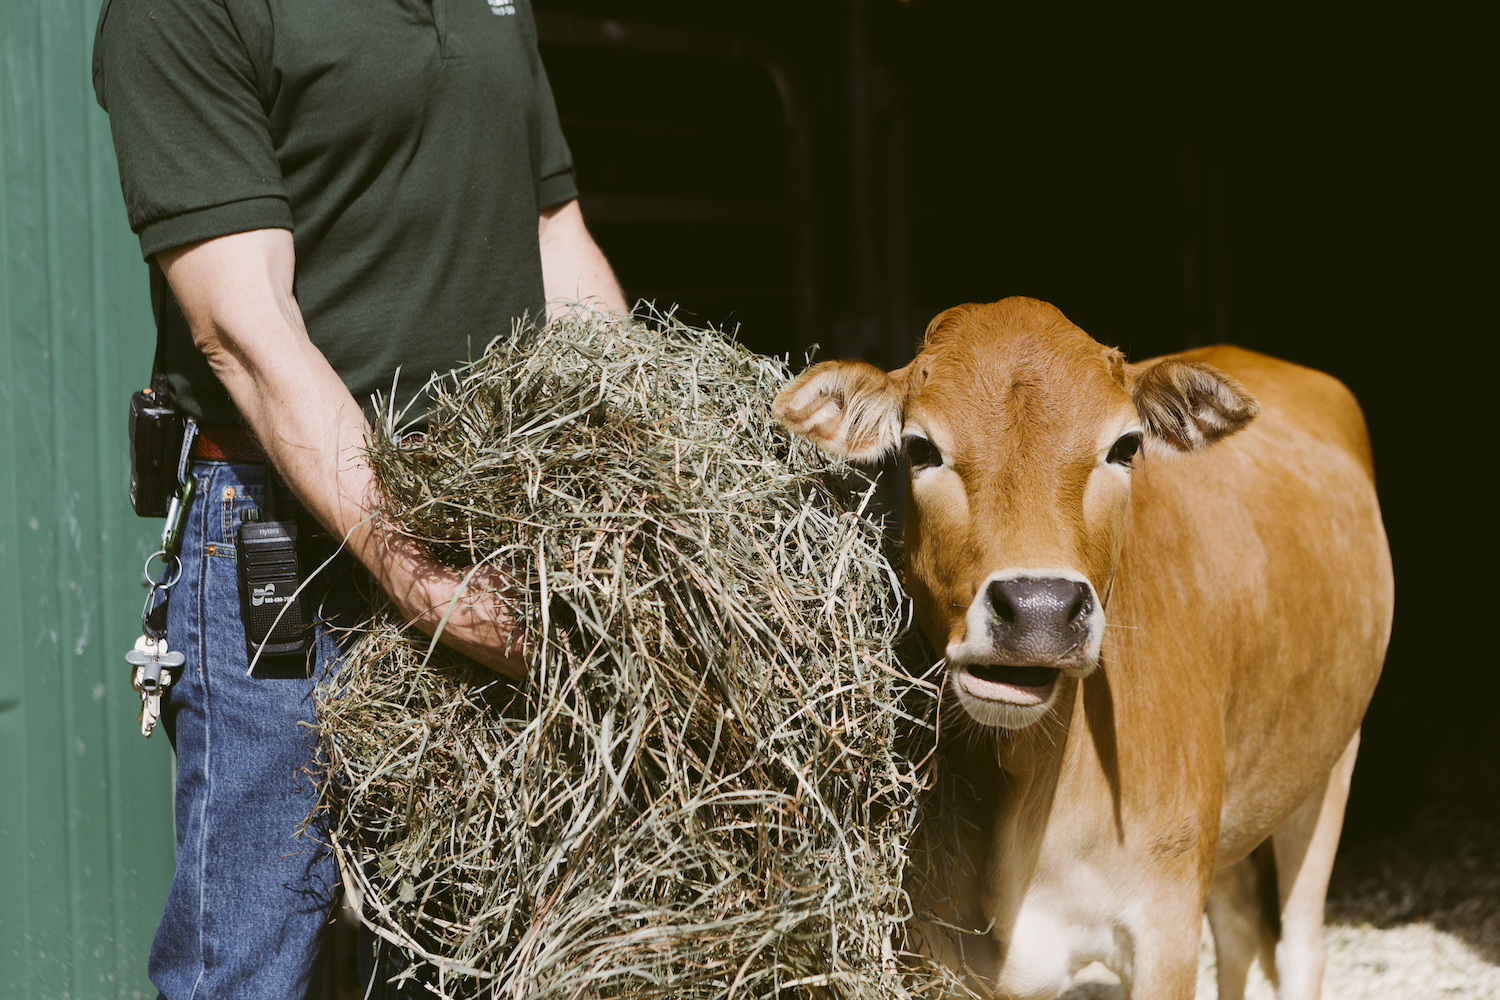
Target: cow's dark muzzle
{"x":1038,"y":621}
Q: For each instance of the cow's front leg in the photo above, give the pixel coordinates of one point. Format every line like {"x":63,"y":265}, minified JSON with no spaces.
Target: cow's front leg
{"x":1163,"y":962}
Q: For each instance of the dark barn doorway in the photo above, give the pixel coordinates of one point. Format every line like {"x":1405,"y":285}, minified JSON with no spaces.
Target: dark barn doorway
{"x":1302,"y":187}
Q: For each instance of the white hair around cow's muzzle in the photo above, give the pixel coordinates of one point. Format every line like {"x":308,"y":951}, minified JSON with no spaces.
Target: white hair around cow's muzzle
{"x":1024,"y":628}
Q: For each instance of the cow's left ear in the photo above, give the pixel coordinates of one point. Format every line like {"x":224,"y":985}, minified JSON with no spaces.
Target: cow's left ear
{"x":849,"y":408}
{"x":1187,"y":405}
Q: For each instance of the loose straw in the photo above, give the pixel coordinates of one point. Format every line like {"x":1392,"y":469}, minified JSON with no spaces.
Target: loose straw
{"x":708,"y":784}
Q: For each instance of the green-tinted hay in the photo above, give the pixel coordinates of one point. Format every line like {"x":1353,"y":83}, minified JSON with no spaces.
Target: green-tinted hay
{"x":708,"y":785}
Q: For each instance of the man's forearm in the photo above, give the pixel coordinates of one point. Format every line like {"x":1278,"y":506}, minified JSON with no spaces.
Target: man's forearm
{"x":574,"y":269}
{"x":236,"y":293}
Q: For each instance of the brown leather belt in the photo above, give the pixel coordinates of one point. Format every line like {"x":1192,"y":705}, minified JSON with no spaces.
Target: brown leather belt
{"x":226,"y":444}
{"x":216,"y":443}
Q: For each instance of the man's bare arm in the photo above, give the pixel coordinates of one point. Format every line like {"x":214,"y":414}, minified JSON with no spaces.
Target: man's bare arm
{"x":236,"y":292}
{"x":573,"y":266}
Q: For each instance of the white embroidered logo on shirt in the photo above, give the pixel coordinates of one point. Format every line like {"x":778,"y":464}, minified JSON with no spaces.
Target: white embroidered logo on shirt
{"x":501,"y":6}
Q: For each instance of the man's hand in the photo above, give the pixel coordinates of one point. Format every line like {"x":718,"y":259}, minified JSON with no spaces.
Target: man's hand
{"x":480,"y":624}
{"x":236,"y":292}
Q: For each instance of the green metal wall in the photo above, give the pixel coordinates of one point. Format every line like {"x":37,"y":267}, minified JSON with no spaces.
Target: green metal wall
{"x":85,"y":803}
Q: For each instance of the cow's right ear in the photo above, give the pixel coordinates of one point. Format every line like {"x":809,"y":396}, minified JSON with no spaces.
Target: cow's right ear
{"x":849,"y":408}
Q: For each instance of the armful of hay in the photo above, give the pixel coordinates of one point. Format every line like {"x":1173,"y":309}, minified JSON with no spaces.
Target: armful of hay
{"x":707,"y":785}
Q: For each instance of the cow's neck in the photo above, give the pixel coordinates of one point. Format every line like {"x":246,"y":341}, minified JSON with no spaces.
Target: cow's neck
{"x":1021,"y":781}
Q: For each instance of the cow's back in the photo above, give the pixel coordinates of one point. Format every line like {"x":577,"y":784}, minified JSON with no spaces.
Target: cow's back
{"x":1253,"y":600}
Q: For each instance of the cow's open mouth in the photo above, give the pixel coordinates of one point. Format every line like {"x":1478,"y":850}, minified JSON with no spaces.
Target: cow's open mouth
{"x":1012,"y":685}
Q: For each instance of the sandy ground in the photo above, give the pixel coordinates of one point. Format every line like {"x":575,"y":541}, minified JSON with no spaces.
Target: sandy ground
{"x":1413,"y":916}
{"x":1406,"y":962}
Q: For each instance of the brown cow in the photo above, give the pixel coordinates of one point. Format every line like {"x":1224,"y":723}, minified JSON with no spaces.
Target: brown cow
{"x":1163,"y":617}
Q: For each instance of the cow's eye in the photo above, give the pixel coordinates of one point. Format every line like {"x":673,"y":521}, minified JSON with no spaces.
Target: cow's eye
{"x":1125,"y":449}
{"x":921,"y":453}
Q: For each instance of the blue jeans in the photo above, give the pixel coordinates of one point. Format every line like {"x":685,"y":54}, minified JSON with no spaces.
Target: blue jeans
{"x":252,"y":889}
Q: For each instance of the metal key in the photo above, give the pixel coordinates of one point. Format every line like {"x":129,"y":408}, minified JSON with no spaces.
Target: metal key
{"x":153,"y":664}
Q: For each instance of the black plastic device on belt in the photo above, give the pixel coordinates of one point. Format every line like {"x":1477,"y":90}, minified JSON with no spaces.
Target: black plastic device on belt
{"x":274,"y":614}
{"x":156,"y":431}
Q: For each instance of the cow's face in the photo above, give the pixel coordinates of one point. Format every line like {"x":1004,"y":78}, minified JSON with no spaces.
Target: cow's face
{"x":1021,"y":435}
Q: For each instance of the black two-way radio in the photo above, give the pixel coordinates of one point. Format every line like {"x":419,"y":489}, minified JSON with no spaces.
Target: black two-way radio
{"x":273,"y":611}
{"x":156,"y":430}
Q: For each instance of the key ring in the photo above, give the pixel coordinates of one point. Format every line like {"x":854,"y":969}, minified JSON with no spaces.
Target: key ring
{"x":170,"y":574}
{"x":163,"y":583}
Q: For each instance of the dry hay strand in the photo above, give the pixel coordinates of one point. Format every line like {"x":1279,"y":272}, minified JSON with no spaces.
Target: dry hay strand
{"x":707,"y":785}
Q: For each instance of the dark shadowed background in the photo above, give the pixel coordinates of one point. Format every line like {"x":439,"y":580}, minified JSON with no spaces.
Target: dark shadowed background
{"x":1302,"y":184}
{"x":836,"y":172}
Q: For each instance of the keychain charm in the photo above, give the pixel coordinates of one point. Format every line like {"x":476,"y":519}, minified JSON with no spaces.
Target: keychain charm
{"x":153,"y":664}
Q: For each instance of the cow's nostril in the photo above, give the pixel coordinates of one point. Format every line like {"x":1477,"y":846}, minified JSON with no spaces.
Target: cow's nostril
{"x":1080,"y":609}
{"x":1001,"y":603}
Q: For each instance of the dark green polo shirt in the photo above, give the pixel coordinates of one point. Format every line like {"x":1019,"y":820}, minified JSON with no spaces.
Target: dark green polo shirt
{"x":407,"y":144}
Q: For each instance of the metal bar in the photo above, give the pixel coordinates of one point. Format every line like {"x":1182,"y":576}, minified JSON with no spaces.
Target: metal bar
{"x":862,"y":165}
{"x":601,"y":207}
{"x":557,"y":28}
{"x":900,"y":321}
{"x":674,"y":294}
{"x":805,"y":236}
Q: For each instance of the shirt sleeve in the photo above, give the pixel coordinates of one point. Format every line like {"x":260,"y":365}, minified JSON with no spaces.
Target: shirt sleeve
{"x":556,"y":184}
{"x":189,"y":122}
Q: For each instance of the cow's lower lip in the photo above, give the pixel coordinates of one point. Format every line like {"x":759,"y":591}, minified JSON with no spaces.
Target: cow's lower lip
{"x":1011,"y":685}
